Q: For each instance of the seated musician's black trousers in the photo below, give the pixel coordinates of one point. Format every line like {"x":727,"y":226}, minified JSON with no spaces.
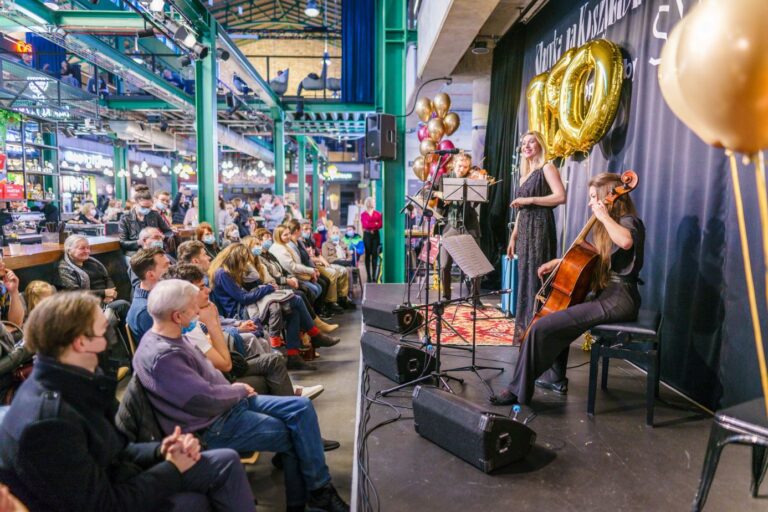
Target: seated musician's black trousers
{"x":545,"y":350}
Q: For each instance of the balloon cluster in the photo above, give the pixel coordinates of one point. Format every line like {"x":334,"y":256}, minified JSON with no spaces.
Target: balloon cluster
{"x":436,"y":122}
{"x":714,"y":73}
{"x":559,"y":103}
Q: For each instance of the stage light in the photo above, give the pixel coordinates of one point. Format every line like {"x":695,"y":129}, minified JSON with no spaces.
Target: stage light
{"x":201,"y":51}
{"x":222,"y":54}
{"x":157,"y":5}
{"x":312,"y":10}
{"x":185,"y":37}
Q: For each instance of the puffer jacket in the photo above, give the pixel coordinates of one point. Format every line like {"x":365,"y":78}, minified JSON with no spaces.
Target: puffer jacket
{"x":135,"y":417}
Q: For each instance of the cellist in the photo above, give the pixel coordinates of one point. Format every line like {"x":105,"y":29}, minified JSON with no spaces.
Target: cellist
{"x":619,"y":237}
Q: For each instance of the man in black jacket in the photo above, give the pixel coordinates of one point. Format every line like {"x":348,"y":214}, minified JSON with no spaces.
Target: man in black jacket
{"x":180,"y":205}
{"x":60,"y":450}
{"x":140,"y":217}
{"x":241,"y":217}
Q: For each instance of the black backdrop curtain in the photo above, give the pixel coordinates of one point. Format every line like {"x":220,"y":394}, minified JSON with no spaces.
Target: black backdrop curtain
{"x":693,"y":272}
{"x":500,"y":142}
{"x":358,"y":33}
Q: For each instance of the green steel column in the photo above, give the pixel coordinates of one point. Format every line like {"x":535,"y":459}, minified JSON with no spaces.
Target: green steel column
{"x":278,"y":144}
{"x":392,"y":33}
{"x":315,"y":187}
{"x":120,"y":158}
{"x":207,"y":142}
{"x":302,"y":174}
{"x":174,"y":178}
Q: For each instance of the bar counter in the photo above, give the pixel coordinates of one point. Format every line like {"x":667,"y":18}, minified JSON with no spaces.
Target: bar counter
{"x":41,"y":254}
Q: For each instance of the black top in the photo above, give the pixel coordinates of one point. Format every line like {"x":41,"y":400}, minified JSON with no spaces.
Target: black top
{"x":85,"y":220}
{"x":628,"y":263}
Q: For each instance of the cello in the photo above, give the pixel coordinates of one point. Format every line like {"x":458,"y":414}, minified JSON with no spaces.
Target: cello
{"x":570,"y":281}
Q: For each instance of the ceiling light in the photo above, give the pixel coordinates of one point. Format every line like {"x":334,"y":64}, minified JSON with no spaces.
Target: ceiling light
{"x":480,"y":47}
{"x":201,"y":51}
{"x":157,"y":5}
{"x":222,"y":54}
{"x":185,"y":37}
{"x":312,"y":9}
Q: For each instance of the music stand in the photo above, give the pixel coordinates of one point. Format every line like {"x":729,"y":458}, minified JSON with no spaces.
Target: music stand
{"x":465,"y":189}
{"x":473,"y":263}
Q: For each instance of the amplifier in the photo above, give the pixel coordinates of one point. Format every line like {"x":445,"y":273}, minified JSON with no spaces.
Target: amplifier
{"x":399,"y":363}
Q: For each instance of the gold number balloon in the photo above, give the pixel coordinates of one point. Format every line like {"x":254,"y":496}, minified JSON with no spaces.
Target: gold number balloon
{"x":556,"y":143}
{"x":424,"y":109}
{"x":583,"y":125}
{"x":436,"y":129}
{"x":420,"y":168}
{"x":442,"y":104}
{"x":427,"y":146}
{"x":451,"y":123}
{"x":537,"y":112}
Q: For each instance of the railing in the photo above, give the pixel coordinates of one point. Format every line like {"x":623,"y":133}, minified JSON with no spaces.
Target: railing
{"x":299,"y":67}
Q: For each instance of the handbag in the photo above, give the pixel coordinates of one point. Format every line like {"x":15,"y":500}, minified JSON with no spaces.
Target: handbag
{"x":239,"y":366}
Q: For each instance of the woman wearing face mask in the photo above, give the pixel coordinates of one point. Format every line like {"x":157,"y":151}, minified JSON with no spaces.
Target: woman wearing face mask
{"x":274,"y":273}
{"x":231,"y":235}
{"x":372,"y":222}
{"x":190,"y":218}
{"x":225,"y":216}
{"x":335,"y":250}
{"x":204,"y":233}
{"x":138,"y":218}
{"x":88,"y":214}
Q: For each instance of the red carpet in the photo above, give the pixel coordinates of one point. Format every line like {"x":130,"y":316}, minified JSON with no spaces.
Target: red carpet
{"x":492,"y":328}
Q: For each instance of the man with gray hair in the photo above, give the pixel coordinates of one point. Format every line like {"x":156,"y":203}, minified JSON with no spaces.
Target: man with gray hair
{"x":149,"y":238}
{"x":185,"y":389}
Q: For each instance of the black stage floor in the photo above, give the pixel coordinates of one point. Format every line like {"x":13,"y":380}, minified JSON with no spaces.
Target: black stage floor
{"x":610,"y":462}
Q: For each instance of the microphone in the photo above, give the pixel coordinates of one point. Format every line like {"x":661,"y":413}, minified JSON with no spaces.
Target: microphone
{"x":453,"y":151}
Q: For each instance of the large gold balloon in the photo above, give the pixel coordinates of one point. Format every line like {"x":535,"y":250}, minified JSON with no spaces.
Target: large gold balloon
{"x":722,"y":70}
{"x":669,"y":83}
{"x":442,"y":103}
{"x":427,"y":146}
{"x":451,"y":123}
{"x":436,"y":129}
{"x":537,"y":111}
{"x":424,"y":109}
{"x":556,"y":143}
{"x":582,"y":124}
{"x":420,"y":168}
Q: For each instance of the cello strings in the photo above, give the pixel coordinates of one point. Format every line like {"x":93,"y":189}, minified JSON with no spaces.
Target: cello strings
{"x":748,"y":274}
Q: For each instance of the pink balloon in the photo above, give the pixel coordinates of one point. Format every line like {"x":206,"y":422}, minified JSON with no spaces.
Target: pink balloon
{"x":446,"y":144}
{"x":423,"y":133}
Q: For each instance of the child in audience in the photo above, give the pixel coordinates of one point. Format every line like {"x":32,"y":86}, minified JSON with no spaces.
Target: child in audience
{"x":35,"y":292}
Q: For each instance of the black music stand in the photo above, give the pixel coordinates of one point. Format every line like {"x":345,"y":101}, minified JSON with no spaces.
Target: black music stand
{"x":473,"y":263}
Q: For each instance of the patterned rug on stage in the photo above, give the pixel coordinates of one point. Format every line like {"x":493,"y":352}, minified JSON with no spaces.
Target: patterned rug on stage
{"x":492,"y":327}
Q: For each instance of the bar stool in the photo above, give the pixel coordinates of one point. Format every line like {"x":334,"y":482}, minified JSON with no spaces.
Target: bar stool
{"x":637,"y":342}
{"x":745,"y":423}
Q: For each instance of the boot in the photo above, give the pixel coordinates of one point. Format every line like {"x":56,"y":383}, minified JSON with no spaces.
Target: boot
{"x":334,"y":308}
{"x":347,"y":304}
{"x":325,"y":327}
{"x":295,"y":362}
{"x":326,"y":499}
{"x":323,"y":340}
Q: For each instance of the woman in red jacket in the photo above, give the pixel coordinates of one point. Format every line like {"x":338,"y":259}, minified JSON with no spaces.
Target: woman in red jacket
{"x":371,"y":221}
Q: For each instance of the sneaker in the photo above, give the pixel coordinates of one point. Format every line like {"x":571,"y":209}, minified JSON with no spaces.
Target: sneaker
{"x":323,"y":340}
{"x":559,"y":387}
{"x":326,"y":499}
{"x":297,"y":363}
{"x":310,"y":392}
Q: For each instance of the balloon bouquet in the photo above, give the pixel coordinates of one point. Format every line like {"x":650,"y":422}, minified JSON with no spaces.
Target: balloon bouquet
{"x":728,"y":107}
{"x":436,"y":122}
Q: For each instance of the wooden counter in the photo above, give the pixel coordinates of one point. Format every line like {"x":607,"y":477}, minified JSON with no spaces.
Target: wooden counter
{"x":42,"y":254}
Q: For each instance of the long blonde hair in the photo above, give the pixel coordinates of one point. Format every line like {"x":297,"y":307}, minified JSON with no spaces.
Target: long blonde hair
{"x":277,"y":235}
{"x":604,"y":183}
{"x":234,"y":259}
{"x":35,"y":292}
{"x":528,"y":166}
{"x":250,"y":242}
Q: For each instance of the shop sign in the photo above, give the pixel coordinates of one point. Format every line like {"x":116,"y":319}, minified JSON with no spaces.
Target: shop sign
{"x":48,"y":113}
{"x":87,"y":161}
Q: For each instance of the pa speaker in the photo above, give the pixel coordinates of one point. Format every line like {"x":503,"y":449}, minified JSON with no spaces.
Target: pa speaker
{"x":395,"y":319}
{"x":397,"y":362}
{"x":486,"y":440}
{"x":380,"y":137}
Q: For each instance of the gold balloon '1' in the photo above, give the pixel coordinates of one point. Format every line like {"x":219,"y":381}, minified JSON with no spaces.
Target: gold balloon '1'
{"x":424,"y":109}
{"x":557,"y":105}
{"x":420,"y":168}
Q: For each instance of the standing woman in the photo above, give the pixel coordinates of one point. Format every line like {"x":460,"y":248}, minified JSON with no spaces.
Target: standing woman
{"x":371,"y":221}
{"x":534,"y":238}
{"x":619,"y":237}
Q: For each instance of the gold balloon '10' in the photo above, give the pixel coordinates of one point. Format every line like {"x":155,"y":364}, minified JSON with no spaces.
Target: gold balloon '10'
{"x":557,"y":100}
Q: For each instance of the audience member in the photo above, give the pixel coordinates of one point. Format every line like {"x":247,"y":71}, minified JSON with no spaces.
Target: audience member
{"x":163,"y":206}
{"x":335,"y":251}
{"x":204,"y":233}
{"x":149,"y":238}
{"x":275,"y":214}
{"x":35,"y":292}
{"x":191,"y":217}
{"x":231,"y":235}
{"x":138,"y":218}
{"x":336,"y":298}
{"x":180,"y":205}
{"x":149,"y":265}
{"x":225,"y":216}
{"x":289,"y":259}
{"x":87,"y":213}
{"x":240,"y":217}
{"x":113,"y":212}
{"x":372,"y":223}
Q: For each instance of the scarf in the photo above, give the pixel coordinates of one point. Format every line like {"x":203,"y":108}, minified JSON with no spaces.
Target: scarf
{"x":85,"y":279}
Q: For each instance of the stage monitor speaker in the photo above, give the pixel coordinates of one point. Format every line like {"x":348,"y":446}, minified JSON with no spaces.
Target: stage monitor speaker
{"x":383,"y":315}
{"x":486,"y":440}
{"x":398,"y":362}
{"x":380,"y":137}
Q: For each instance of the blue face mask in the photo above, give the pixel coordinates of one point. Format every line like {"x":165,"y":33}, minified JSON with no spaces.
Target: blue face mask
{"x":209,"y":239}
{"x":190,"y":327}
{"x":160,"y":206}
{"x":266,"y":244}
{"x":350,"y":233}
{"x":156,"y":244}
{"x":256,"y":250}
{"x":335,"y":239}
{"x":143,"y":211}
{"x":306,"y":236}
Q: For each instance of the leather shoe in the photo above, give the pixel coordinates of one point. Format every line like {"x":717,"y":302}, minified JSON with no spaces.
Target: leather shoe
{"x":334,"y":308}
{"x":560,"y":387}
{"x":329,"y":445}
{"x":323,"y":340}
{"x":297,"y":363}
{"x":503,"y":397}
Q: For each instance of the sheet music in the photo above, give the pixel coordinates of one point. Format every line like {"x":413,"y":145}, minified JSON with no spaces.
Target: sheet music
{"x":467,"y":255}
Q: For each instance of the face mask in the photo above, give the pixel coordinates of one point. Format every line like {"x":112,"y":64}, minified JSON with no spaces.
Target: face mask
{"x":209,"y":239}
{"x":256,"y":250}
{"x":158,"y":244}
{"x":306,"y":235}
{"x":143,"y":211}
{"x":350,"y":232}
{"x":321,"y":229}
{"x":266,"y":244}
{"x":189,"y":328}
{"x":335,"y":239}
{"x":160,"y":206}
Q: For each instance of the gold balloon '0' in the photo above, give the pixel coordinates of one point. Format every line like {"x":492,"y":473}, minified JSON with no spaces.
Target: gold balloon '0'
{"x":451,"y":123}
{"x":442,"y":104}
{"x":556,"y":143}
{"x":424,"y":109}
{"x":420,"y":168}
{"x":427,"y":146}
{"x":435,"y":129}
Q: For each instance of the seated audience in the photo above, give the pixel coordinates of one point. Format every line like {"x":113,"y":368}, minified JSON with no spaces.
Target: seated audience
{"x":274,"y":213}
{"x":191,"y":217}
{"x":163,"y":206}
{"x":308,"y":277}
{"x":335,"y":251}
{"x":113,"y":212}
{"x":35,"y":292}
{"x":225,"y":216}
{"x":205,"y":234}
{"x":338,"y":291}
{"x":184,"y":389}
{"x":149,"y":265}
{"x":355,"y":244}
{"x":149,"y":238}
{"x":60,"y":450}
{"x":11,"y":302}
{"x":87,"y":214}
{"x":231,"y":235}
{"x":139,"y":217}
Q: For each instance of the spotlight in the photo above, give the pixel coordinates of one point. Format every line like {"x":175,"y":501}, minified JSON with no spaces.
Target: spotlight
{"x":312,"y":10}
{"x":222,"y":54}
{"x":157,"y":5}
{"x":185,"y":37}
{"x":480,"y":47}
{"x":201,"y":51}
{"x":147,"y":32}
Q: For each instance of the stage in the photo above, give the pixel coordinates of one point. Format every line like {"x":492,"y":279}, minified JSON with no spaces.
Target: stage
{"x":609,"y":462}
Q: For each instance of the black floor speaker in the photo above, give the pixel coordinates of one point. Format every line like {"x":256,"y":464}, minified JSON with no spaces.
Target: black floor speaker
{"x":387,"y":316}
{"x":397,"y":362}
{"x":486,"y":440}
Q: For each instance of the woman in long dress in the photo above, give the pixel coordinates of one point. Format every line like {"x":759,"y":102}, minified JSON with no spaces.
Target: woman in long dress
{"x":534,"y":237}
